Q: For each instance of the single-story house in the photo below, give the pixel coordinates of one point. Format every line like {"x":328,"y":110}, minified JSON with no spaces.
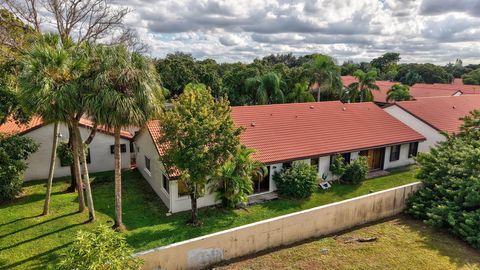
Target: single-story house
{"x":429,"y":116}
{"x":284,"y":133}
{"x":100,"y":151}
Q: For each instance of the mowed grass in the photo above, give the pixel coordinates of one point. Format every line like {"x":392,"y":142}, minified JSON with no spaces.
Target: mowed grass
{"x":30,"y":241}
{"x":402,"y":243}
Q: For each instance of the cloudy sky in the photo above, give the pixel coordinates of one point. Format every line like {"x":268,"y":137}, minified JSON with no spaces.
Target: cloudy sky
{"x":437,"y":31}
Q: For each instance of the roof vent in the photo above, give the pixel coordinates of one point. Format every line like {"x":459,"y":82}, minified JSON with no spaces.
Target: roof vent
{"x":453,"y":107}
{"x":344,"y":109}
{"x":311,"y":107}
{"x":253,"y":124}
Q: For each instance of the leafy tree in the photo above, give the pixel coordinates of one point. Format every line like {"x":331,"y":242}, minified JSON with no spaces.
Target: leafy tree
{"x":398,"y":92}
{"x":235,"y":76}
{"x":299,"y":181}
{"x":14,"y":151}
{"x":266,"y":89}
{"x":100,"y":249}
{"x":325,"y":77}
{"x":348,"y":68}
{"x":356,"y":171}
{"x":208,"y":73}
{"x":361,"y":91}
{"x":429,"y":73}
{"x":177,"y":70}
{"x":472,"y":77}
{"x":200,"y":137}
{"x":386,"y":65}
{"x":450,"y":196}
{"x":300,"y":94}
{"x":126,"y":93}
{"x":234,"y":182}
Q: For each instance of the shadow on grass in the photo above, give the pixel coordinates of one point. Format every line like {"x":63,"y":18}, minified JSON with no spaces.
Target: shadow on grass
{"x":37,"y":224}
{"x":41,"y":259}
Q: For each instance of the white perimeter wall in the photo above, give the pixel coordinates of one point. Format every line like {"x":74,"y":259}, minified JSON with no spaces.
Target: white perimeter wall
{"x":100,"y":156}
{"x":431,"y":134}
{"x":201,"y":252}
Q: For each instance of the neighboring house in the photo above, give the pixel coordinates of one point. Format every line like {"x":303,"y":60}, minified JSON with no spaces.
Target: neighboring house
{"x":284,"y":133}
{"x":100,"y":151}
{"x":429,"y":116}
{"x":379,"y":96}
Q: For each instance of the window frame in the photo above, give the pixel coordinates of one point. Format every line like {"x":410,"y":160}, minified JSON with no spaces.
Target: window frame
{"x":395,"y":155}
{"x":123,"y":148}
{"x":413,"y":149}
{"x":148,"y":165}
{"x":165,"y":183}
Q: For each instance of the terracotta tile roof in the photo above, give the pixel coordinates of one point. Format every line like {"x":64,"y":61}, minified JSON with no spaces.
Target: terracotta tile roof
{"x":13,"y":128}
{"x":465,"y":89}
{"x":442,"y":113}
{"x":291,"y":131}
{"x":378,"y":96}
{"x":154,"y":130}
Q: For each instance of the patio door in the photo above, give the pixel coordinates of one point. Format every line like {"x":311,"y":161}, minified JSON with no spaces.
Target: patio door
{"x":375,"y":158}
{"x":261,"y":184}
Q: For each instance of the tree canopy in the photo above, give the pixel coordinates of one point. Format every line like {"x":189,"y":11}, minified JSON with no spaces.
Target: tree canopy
{"x":472,"y":78}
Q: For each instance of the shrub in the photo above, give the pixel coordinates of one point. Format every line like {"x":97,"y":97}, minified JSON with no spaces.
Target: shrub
{"x":13,"y":153}
{"x":356,"y":171}
{"x":450,"y":173}
{"x":299,"y":181}
{"x":338,"y":165}
{"x":102,"y":248}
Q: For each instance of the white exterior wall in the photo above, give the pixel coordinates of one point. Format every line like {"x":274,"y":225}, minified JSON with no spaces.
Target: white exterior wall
{"x":431,"y":134}
{"x":183,"y":203}
{"x":144,"y":147}
{"x":404,"y":160}
{"x":100,"y":156}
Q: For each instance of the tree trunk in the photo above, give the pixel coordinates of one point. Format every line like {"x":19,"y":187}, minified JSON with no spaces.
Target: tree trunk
{"x":86,"y":177}
{"x":73,"y":179}
{"x":53,"y":157}
{"x":118,"y":182}
{"x":318,"y":94}
{"x":78,"y":177}
{"x":193,"y":200}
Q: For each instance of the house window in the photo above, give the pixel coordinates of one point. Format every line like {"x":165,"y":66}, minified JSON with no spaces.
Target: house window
{"x":182,"y":189}
{"x":123,"y":148}
{"x":346,"y":158}
{"x":413,"y":149}
{"x":314,"y":163}
{"x":287,"y":165}
{"x":147,"y":164}
{"x":395,"y":152}
{"x":89,"y":160}
{"x":165,"y":183}
{"x":132,"y":149}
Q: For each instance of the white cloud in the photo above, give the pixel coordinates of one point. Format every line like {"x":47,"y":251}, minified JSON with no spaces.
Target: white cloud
{"x":233,"y":30}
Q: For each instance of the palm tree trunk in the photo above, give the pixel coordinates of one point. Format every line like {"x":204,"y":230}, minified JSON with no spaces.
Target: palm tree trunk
{"x":318,"y":94}
{"x":73,"y":180}
{"x":53,"y":157}
{"x":86,"y":178}
{"x":118,"y":182}
{"x":78,"y":177}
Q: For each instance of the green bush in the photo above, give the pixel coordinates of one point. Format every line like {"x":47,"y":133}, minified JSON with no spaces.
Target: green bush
{"x":299,"y":181}
{"x":102,"y":248}
{"x":13,"y":153}
{"x":356,"y":171}
{"x":338,"y":165}
{"x":450,"y":173}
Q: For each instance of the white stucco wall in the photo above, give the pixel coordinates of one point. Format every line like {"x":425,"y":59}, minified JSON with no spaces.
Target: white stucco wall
{"x":100,"y":156}
{"x":404,"y":160}
{"x":144,"y":147}
{"x":432,"y":135}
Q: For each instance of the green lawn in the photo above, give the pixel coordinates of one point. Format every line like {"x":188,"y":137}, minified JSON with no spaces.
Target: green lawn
{"x":402,"y":243}
{"x":28,"y":241}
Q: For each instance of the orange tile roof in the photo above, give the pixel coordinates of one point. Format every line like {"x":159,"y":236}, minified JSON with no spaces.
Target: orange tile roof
{"x":378,"y":96}
{"x":442,"y":113}
{"x":300,"y":130}
{"x":154,"y":130}
{"x":13,"y":128}
{"x":465,"y":89}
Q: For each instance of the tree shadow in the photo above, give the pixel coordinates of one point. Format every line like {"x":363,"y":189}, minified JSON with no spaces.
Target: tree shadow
{"x":36,"y":224}
{"x":41,"y":259}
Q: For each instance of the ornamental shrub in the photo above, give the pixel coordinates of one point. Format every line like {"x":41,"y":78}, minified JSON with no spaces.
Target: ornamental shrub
{"x":338,"y":165}
{"x":14,"y":151}
{"x":450,"y":173}
{"x":299,"y":181}
{"x":102,"y":249}
{"x":356,"y":171}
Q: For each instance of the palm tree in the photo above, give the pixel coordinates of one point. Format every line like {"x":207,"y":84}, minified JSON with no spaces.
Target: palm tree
{"x":45,"y":84}
{"x":362,"y":89}
{"x":398,"y":92}
{"x":266,"y":89}
{"x":300,"y":94}
{"x":127,"y":93}
{"x":324,"y":77}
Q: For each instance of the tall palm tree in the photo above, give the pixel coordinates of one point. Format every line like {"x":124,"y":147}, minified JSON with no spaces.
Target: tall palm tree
{"x":300,"y":94}
{"x":398,"y":92}
{"x":127,"y":93}
{"x":45,"y":86}
{"x":362,"y":89}
{"x":266,"y":89}
{"x":324,"y":77}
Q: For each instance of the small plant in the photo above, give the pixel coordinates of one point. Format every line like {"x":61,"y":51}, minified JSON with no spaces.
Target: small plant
{"x":102,"y":248}
{"x":299,"y":181}
{"x":65,"y":154}
{"x":338,"y":165}
{"x":356,"y":171}
{"x":13,"y":153}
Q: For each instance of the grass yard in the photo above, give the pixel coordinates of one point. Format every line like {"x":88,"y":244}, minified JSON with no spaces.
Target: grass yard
{"x":403,"y":243}
{"x":29,"y":241}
